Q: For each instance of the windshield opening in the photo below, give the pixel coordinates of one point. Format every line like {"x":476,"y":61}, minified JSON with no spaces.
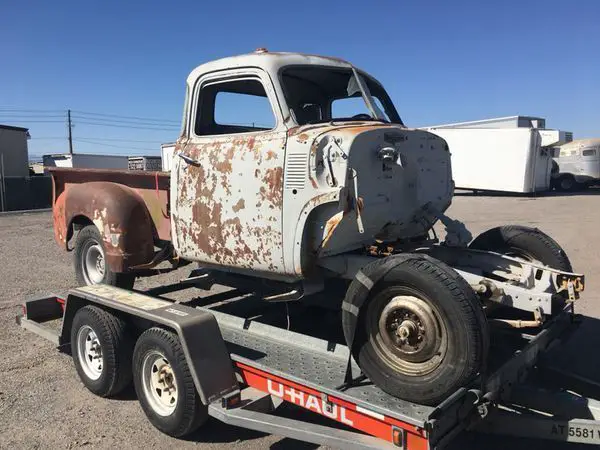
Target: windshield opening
{"x":323,"y":94}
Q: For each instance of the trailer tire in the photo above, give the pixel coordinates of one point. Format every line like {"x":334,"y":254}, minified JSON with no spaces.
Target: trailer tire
{"x":159,"y":367}
{"x":90,"y":262}
{"x":101,"y":347}
{"x":441,"y":312}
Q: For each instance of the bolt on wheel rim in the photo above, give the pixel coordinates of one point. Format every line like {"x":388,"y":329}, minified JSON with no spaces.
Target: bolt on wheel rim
{"x":159,"y":383}
{"x":410,"y":334}
{"x":89,"y":352}
{"x":94,"y":263}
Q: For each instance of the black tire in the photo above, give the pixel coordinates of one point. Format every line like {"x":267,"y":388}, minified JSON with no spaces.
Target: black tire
{"x":116,"y":347}
{"x":528,"y":243}
{"x":188,"y":412}
{"x":89,"y":240}
{"x":566,"y":183}
{"x":456,"y":333}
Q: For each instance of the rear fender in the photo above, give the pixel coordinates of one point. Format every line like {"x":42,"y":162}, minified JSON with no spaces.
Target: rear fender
{"x":120,"y":215}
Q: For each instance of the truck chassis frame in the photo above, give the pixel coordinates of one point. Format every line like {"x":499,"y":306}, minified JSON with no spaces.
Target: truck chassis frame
{"x":271,"y":365}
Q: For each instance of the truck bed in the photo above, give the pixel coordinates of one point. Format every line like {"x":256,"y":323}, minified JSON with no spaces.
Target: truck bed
{"x":121,"y":203}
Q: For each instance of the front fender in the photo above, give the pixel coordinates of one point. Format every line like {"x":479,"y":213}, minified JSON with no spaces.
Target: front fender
{"x":120,"y":215}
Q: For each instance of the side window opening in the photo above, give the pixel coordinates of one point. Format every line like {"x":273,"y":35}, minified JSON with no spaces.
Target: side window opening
{"x":590,"y":152}
{"x":238,"y":106}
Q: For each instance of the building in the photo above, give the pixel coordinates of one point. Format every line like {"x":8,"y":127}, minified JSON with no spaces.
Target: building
{"x":13,"y":148}
{"x":19,"y":191}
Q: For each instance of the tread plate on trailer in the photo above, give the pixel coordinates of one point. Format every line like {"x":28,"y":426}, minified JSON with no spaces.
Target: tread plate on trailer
{"x":306,"y":360}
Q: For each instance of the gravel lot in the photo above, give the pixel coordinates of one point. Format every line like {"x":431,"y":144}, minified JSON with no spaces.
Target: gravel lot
{"x":43,"y":404}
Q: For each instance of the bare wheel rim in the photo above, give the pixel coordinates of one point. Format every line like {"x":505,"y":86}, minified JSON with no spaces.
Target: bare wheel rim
{"x":89,"y":352}
{"x":410,"y":334}
{"x":159,"y":383}
{"x":93,"y":263}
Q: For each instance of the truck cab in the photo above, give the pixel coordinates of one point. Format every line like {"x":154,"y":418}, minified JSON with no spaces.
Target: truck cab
{"x":287,"y":158}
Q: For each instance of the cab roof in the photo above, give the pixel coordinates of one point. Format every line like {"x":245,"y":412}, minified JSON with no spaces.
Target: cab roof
{"x":271,"y":62}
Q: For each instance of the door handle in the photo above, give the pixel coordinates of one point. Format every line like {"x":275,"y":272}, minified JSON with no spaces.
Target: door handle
{"x":190,"y":161}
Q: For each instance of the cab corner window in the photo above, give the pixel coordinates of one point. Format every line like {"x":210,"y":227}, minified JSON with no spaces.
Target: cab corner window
{"x":239,"y":106}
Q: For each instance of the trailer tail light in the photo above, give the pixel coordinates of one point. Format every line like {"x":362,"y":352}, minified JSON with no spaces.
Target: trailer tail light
{"x":23,"y":311}
{"x":231,"y":401}
{"x":398,"y":437}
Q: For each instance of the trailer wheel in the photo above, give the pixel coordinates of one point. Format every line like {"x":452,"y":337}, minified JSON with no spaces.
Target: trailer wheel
{"x":164,"y":384}
{"x":101,"y":347}
{"x":90,"y":261}
{"x":422,"y":334}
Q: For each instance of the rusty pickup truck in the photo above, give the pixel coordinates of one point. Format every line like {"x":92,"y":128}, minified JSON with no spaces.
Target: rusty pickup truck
{"x":297,"y":169}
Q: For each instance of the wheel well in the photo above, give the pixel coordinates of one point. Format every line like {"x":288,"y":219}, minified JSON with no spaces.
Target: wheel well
{"x":79,"y":221}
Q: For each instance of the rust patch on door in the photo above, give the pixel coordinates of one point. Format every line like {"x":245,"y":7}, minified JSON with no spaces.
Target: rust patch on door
{"x":212,"y":220}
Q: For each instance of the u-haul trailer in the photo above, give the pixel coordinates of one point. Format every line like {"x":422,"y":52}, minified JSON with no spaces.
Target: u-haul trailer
{"x":240,"y":371}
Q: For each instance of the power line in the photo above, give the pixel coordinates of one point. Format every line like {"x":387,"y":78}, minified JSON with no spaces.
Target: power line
{"x":126,"y":126}
{"x":112,"y":145}
{"x":102,"y":139}
{"x":33,"y":121}
{"x":86,"y":115}
{"x":47,"y":138}
{"x":124,"y":122}
{"x":146,"y":119}
{"x":31,"y":116}
{"x":32,"y":110}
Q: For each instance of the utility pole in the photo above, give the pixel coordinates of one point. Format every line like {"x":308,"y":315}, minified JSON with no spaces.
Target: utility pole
{"x":70,"y":136}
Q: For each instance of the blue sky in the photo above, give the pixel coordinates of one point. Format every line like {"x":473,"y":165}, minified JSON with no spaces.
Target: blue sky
{"x":441,"y":61}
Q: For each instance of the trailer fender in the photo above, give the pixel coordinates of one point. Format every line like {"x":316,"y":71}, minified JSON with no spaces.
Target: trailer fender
{"x":120,"y":215}
{"x":205,"y":351}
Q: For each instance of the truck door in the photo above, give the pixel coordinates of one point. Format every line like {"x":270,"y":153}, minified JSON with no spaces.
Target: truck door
{"x":227,"y":175}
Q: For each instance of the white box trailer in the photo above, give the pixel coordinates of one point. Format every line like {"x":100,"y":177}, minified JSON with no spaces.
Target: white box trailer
{"x":497,"y":159}
{"x":86,"y":161}
{"x":510,"y":154}
{"x":166,"y":154}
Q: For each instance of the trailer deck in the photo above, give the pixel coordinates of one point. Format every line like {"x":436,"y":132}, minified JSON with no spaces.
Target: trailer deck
{"x":272,"y":365}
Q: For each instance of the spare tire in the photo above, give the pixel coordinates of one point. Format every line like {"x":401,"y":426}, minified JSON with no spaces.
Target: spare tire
{"x":523,"y":242}
{"x":422,"y":333}
{"x":529,"y":244}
